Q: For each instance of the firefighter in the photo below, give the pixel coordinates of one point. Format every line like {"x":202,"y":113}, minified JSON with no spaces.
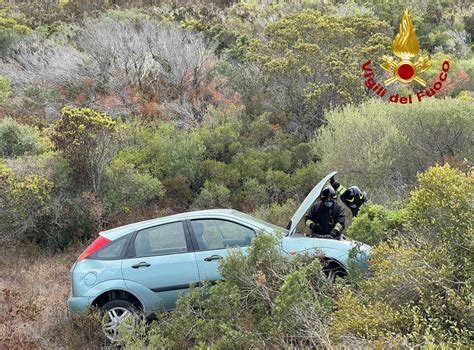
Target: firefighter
{"x":352,"y":197}
{"x":326,"y":217}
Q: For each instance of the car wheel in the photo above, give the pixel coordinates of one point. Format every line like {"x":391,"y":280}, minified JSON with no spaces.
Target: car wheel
{"x":332,"y":270}
{"x":114,"y":313}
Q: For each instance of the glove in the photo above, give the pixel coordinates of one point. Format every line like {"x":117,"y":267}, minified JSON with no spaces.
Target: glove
{"x":334,"y":183}
{"x":315,"y":229}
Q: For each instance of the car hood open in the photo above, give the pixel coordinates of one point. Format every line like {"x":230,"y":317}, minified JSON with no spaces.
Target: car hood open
{"x":308,"y":201}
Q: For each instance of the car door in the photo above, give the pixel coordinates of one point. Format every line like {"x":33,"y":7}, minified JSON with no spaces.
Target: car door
{"x":211,"y":239}
{"x":162,"y":262}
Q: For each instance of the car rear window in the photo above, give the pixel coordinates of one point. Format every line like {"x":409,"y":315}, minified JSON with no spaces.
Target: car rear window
{"x":111,"y":251}
{"x":161,"y":240}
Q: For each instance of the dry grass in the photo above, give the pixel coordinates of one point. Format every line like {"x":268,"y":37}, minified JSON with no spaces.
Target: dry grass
{"x":34,"y":287}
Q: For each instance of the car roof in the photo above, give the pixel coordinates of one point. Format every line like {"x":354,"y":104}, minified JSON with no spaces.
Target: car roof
{"x":117,"y":232}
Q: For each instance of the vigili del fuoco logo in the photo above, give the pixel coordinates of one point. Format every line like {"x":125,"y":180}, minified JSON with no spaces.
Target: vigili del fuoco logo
{"x":405,"y":46}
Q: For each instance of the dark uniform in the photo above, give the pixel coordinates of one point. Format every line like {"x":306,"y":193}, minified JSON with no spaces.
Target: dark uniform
{"x":352,"y":197}
{"x":327,"y":221}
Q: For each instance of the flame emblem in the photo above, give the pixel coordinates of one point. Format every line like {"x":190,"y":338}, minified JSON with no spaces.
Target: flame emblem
{"x":405,"y":46}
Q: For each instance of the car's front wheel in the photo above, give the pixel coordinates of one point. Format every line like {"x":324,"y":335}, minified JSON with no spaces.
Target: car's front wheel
{"x":116,"y":313}
{"x":333,"y":269}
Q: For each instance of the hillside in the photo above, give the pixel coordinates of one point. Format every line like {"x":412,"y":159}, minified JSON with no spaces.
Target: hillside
{"x":113,"y":112}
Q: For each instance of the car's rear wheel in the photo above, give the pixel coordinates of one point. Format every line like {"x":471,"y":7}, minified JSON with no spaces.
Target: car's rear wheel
{"x":116,"y":313}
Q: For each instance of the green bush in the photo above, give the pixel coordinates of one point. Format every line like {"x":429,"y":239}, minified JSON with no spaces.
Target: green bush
{"x":88,"y":140}
{"x":310,"y":63}
{"x":277,"y":214}
{"x":220,"y":173}
{"x":375,"y":224}
{"x":253,"y":195}
{"x":178,"y":194}
{"x":165,"y":151}
{"x":440,"y":209}
{"x":38,"y":203}
{"x":25,"y":206}
{"x":381,"y":147}
{"x":127,"y":188}
{"x":10,"y":29}
{"x":222,"y":141}
{"x":420,"y":290}
{"x":17,"y":139}
{"x":265,"y":300}
{"x":4,"y":90}
{"x":213,"y":195}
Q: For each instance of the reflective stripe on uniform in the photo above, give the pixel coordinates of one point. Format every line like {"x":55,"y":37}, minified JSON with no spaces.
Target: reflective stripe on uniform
{"x":338,"y":227}
{"x":340,"y":190}
{"x":309,"y":222}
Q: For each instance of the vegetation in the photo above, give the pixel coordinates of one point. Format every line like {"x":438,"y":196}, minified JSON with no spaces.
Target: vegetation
{"x":113,"y":112}
{"x":418,"y":295}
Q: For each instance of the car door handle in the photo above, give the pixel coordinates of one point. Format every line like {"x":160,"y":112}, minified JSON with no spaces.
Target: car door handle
{"x":213,"y":257}
{"x":142,"y":264}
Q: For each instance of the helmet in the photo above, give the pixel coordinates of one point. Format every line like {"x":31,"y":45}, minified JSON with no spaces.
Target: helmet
{"x":328,"y":194}
{"x":354,"y":197}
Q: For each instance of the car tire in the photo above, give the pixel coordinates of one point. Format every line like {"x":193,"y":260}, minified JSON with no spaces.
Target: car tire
{"x":332,"y":270}
{"x":113,"y":313}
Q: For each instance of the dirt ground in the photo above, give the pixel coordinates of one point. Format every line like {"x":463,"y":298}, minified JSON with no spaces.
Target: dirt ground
{"x":34,"y":287}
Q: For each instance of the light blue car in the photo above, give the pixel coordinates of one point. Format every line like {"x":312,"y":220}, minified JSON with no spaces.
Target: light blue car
{"x":146,"y":265}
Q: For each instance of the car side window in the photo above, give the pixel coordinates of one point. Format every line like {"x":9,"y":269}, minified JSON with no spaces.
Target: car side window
{"x":161,"y":240}
{"x":219,"y":234}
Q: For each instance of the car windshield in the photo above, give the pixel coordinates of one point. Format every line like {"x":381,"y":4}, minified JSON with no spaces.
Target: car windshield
{"x":264,"y":223}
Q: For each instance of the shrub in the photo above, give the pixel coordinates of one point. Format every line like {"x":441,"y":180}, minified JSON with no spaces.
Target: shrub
{"x":24,"y":207}
{"x":438,"y":131}
{"x":309,"y":64}
{"x":220,"y":173}
{"x":277,"y":214}
{"x":10,"y":29}
{"x":265,"y":300}
{"x":420,"y":291}
{"x":17,"y":139}
{"x":88,"y":140}
{"x":38,"y":204}
{"x":126,"y":188}
{"x":178,"y":194}
{"x":4,"y":90}
{"x":381,"y":147}
{"x":278,"y":185}
{"x":222,"y":141}
{"x":374,"y":224}
{"x":305,"y":178}
{"x":78,"y":330}
{"x":251,"y":164}
{"x":213,"y":195}
{"x":440,"y":209}
{"x":253,"y":195}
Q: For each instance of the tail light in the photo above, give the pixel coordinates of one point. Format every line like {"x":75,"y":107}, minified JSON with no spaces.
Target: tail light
{"x":98,"y":244}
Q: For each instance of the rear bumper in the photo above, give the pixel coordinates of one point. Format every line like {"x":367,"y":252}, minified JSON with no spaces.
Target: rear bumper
{"x":79,"y":304}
